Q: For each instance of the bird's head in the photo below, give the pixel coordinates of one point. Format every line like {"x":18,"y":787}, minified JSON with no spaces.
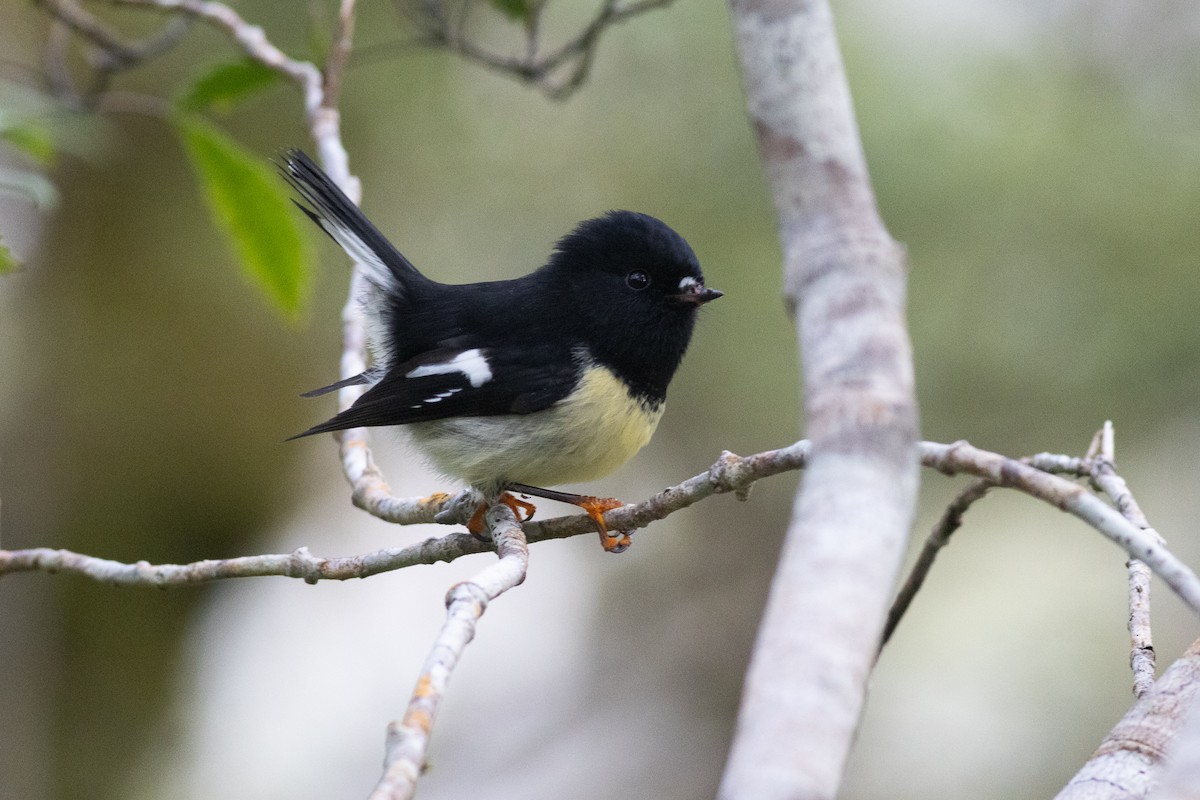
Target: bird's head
{"x":633,"y":286}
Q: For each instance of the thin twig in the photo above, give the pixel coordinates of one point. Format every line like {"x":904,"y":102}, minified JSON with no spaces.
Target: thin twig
{"x":950,"y":522}
{"x":575,"y":56}
{"x":339,"y":54}
{"x":1105,"y":478}
{"x":1075,"y":500}
{"x":91,"y":28}
{"x":250,"y":38}
{"x":408,"y":739}
{"x":320,"y":93}
{"x":938,"y":538}
{"x":55,"y":63}
{"x":110,"y":53}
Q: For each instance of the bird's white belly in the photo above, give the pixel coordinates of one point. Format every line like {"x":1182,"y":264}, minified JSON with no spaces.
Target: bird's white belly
{"x":586,"y":436}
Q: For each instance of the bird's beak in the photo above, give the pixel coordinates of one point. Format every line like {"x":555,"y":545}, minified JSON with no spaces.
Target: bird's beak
{"x":695,"y":295}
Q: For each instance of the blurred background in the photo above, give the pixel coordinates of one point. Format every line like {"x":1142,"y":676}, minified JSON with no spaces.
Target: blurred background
{"x":1041,"y":161}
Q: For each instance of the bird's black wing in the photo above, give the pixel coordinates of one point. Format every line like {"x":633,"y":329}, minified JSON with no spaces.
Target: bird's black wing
{"x":463,"y":382}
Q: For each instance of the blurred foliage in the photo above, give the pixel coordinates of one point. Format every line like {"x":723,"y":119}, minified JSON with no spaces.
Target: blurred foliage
{"x":520,"y":10}
{"x":226,"y":85}
{"x":25,"y":128}
{"x":8,"y":262}
{"x":31,"y":138}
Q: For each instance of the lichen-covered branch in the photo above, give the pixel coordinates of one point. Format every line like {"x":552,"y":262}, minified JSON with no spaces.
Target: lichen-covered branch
{"x":1180,"y":775}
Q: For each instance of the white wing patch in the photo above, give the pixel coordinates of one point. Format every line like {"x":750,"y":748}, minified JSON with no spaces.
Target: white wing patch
{"x":437,"y":398}
{"x":470,"y":363}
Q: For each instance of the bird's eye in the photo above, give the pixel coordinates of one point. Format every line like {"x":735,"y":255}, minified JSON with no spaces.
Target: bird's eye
{"x":637,"y":280}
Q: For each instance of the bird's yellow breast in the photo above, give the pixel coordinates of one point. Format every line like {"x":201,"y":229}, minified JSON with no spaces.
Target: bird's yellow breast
{"x":587,"y":435}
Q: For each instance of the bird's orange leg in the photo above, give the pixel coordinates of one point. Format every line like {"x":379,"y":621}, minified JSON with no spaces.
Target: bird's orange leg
{"x":595,"y":508}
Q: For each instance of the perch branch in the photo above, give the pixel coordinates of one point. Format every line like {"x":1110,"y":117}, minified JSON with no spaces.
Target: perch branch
{"x":408,"y":739}
{"x":730,"y":473}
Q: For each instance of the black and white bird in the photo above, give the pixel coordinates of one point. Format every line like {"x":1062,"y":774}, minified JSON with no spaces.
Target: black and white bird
{"x":556,"y":377}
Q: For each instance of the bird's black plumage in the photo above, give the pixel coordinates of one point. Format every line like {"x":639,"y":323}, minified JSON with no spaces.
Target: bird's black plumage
{"x":620,"y":293}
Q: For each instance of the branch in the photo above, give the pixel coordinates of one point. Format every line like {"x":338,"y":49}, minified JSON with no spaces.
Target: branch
{"x":110,"y":55}
{"x":845,"y":280}
{"x":107,"y":38}
{"x":1074,"y":499}
{"x":1127,"y":763}
{"x":250,"y":38}
{"x":321,"y":91}
{"x":1181,"y":774}
{"x":1105,"y":478}
{"x":939,"y":537}
{"x":950,"y":522}
{"x":408,"y":739}
{"x":730,"y":473}
{"x":339,"y":54}
{"x":575,"y":57}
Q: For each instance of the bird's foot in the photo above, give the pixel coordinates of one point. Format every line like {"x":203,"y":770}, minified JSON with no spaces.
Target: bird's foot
{"x":595,"y":508}
{"x":521,"y":510}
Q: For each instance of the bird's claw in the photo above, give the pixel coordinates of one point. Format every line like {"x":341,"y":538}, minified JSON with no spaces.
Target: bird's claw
{"x":521,"y":510}
{"x":616,"y":543}
{"x":595,"y":508}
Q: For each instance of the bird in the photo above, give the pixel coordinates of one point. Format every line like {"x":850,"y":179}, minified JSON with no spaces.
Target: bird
{"x":559,"y":376}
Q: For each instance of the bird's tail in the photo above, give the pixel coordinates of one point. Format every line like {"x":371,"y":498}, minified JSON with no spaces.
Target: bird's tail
{"x":329,"y":207}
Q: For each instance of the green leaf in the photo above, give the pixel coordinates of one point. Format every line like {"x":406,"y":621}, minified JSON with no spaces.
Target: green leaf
{"x":31,"y":138}
{"x":8,"y":262}
{"x":227,"y":84}
{"x":250,"y":203}
{"x":521,"y":10}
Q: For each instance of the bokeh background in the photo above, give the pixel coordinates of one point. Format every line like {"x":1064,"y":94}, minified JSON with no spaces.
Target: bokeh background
{"x":1041,"y":161}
